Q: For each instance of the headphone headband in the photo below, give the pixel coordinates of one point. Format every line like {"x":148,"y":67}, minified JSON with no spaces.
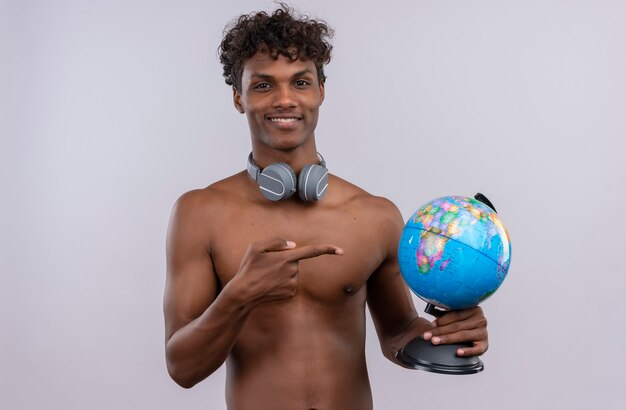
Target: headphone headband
{"x":254,"y":170}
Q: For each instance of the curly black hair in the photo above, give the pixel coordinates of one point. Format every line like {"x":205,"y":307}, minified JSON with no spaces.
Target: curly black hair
{"x":281,"y":33}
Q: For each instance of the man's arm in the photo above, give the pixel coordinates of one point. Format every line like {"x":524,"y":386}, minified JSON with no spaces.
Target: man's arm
{"x":388,"y":298}
{"x":202,"y":324}
{"x":393,"y":311}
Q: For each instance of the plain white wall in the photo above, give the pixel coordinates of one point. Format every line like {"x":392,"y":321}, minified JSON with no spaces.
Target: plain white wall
{"x":110,"y":110}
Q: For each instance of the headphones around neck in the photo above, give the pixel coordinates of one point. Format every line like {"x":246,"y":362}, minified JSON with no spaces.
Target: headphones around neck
{"x":278,"y":181}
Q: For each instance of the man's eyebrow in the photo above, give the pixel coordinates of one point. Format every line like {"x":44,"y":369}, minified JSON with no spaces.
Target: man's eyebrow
{"x":303,"y":72}
{"x":262,"y":76}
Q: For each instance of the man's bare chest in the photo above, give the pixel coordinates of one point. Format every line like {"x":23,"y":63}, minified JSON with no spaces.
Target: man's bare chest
{"x":323,"y":278}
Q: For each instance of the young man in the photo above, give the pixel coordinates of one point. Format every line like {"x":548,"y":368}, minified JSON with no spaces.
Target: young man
{"x":278,"y":288}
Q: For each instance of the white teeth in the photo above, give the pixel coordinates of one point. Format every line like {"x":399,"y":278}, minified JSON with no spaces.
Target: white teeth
{"x":283,"y":119}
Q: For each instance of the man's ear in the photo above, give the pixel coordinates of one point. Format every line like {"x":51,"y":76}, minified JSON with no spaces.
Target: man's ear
{"x":237,"y":101}
{"x":322,"y":92}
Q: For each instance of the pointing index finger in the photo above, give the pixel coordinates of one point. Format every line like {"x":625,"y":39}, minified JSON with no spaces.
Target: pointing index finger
{"x":273,"y":245}
{"x":312,"y":251}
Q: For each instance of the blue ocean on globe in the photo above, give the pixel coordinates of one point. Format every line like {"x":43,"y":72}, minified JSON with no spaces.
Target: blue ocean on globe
{"x":454,"y":252}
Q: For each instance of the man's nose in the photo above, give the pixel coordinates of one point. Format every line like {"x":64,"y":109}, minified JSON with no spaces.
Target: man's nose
{"x":284,"y":98}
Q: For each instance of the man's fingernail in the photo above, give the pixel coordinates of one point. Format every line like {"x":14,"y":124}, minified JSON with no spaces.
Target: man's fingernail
{"x":436,"y":340}
{"x":427,"y":336}
{"x":291,"y":244}
{"x":338,"y":251}
{"x":460,"y":352}
{"x":434,"y":323}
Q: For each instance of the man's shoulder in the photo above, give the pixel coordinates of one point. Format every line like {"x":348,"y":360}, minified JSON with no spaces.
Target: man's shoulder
{"x":210,"y":198}
{"x":360,"y":200}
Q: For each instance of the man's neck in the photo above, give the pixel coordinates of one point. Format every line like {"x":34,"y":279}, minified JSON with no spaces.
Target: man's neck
{"x":296,"y":158}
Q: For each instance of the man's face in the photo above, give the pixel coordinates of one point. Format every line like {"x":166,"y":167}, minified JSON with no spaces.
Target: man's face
{"x":281,"y":99}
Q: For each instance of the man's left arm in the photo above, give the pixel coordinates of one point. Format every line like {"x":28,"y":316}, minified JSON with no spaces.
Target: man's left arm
{"x":393,"y":312}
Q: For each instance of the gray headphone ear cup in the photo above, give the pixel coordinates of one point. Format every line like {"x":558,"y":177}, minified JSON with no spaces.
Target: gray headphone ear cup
{"x":312,"y":182}
{"x":277,"y":181}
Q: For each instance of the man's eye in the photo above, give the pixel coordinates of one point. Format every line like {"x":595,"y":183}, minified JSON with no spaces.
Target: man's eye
{"x":301,"y":83}
{"x":261,"y":86}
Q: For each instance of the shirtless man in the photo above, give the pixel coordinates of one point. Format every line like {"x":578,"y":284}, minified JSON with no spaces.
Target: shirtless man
{"x":277,"y":289}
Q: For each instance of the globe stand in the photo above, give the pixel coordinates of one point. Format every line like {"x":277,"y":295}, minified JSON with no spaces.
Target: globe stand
{"x":423,"y":355}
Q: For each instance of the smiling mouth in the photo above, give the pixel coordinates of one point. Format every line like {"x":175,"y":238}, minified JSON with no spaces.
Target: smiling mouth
{"x":284,"y":120}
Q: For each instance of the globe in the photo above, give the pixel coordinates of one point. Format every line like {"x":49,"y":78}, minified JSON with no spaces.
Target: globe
{"x":454,"y":252}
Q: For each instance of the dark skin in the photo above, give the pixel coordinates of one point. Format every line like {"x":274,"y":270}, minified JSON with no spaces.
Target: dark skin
{"x":278,"y":290}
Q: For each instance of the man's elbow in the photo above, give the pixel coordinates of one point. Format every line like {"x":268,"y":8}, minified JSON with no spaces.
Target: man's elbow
{"x":185,"y":369}
{"x":182,"y":378}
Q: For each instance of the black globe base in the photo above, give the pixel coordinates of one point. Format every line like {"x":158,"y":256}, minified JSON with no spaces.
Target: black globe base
{"x":423,"y":355}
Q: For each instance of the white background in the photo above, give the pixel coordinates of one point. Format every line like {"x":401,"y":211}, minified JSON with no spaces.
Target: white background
{"x":112,"y":109}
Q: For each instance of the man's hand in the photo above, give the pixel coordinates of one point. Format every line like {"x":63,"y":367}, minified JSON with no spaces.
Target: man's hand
{"x":270,"y":269}
{"x":468,"y":325}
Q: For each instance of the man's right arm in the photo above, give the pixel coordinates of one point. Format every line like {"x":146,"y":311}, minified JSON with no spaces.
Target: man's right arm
{"x":202,"y":324}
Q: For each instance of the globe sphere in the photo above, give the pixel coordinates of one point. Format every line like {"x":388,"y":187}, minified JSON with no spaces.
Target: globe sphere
{"x":454,"y":252}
